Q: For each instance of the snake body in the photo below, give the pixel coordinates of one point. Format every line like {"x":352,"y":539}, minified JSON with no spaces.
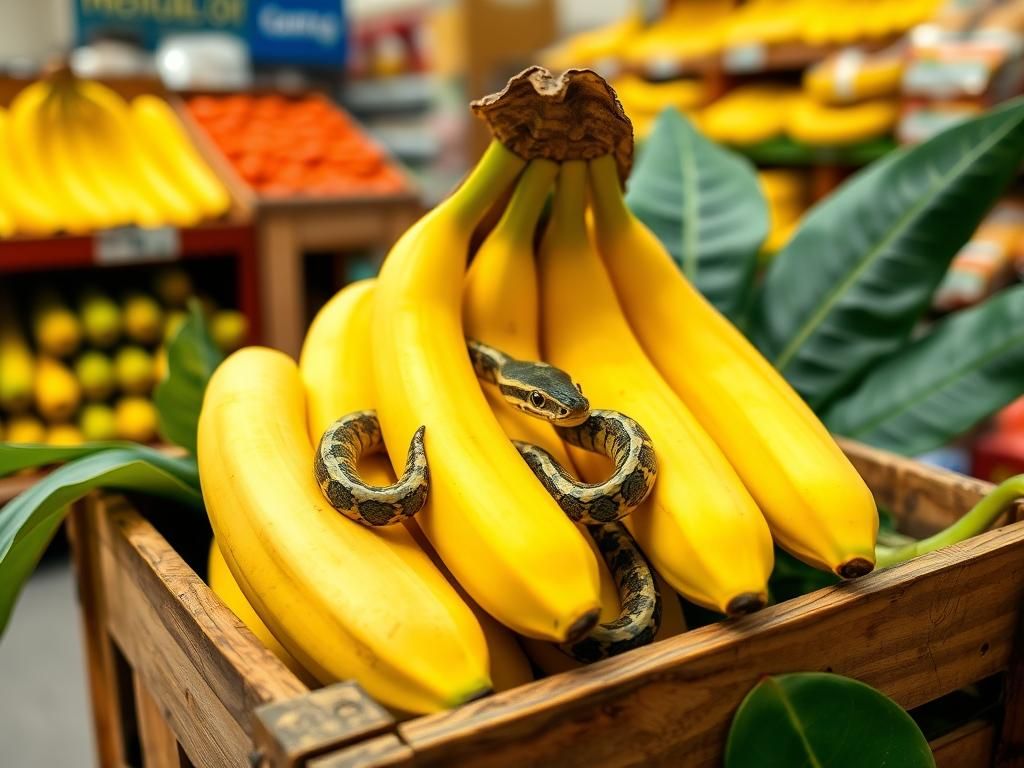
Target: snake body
{"x":546,"y":392}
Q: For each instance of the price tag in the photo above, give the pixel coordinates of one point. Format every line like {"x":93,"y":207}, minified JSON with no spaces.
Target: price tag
{"x":745,"y":58}
{"x":135,"y":245}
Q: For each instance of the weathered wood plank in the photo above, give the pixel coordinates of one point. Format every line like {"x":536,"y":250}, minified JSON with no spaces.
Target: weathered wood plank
{"x":103,"y":684}
{"x":969,"y":746}
{"x":1010,"y":747}
{"x":287,"y":733}
{"x":386,"y":751}
{"x":159,"y":745}
{"x":916,"y":631}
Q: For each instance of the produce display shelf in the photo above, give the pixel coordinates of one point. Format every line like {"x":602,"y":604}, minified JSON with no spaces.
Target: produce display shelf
{"x":130,"y":246}
{"x":786,"y":152}
{"x":176,"y":677}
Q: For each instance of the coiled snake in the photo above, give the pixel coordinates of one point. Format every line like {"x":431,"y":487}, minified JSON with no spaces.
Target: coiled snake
{"x":548,"y":393}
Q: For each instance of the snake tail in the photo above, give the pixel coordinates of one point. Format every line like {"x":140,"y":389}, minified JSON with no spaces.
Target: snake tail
{"x":640,"y":617}
{"x":342,"y":445}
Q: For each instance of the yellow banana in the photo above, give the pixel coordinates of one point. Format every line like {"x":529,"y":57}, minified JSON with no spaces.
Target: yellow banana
{"x":29,"y":214}
{"x":816,"y":504}
{"x":346,"y":601}
{"x":492,"y":523}
{"x":226,"y":588}
{"x":701,"y":529}
{"x":17,"y":366}
{"x":161,"y":135}
{"x":501,"y":307}
{"x":338,"y":343}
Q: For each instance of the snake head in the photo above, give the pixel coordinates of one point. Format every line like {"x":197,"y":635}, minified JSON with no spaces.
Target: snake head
{"x":545,"y":392}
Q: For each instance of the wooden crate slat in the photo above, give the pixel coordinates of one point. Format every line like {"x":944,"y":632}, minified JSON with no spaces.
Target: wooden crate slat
{"x":927,"y":627}
{"x":386,"y":751}
{"x":966,"y":747}
{"x":159,"y":744}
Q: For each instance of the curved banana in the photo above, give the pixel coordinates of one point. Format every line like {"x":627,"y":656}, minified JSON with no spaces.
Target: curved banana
{"x":485,"y":505}
{"x":28,"y":212}
{"x":817,"y":506}
{"x":223,"y":584}
{"x":346,"y":601}
{"x":500,"y":306}
{"x":339,"y":342}
{"x":701,"y":529}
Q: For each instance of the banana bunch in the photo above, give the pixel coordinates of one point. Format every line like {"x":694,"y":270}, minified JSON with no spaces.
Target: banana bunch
{"x":76,"y":157}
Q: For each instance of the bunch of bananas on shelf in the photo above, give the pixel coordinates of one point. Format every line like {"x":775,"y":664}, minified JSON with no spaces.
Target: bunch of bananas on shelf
{"x":438,"y":609}
{"x":85,"y":369}
{"x":76,"y":157}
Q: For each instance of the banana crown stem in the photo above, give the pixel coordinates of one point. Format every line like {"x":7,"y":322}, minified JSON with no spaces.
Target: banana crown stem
{"x":567,"y":216}
{"x":606,"y":193}
{"x":519,"y":220}
{"x":976,"y":521}
{"x":496,"y":170}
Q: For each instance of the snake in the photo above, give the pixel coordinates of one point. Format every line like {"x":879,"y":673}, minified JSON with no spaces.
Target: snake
{"x":549,"y":393}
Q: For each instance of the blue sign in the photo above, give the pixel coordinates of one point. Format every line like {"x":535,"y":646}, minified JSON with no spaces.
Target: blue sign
{"x":302,"y":32}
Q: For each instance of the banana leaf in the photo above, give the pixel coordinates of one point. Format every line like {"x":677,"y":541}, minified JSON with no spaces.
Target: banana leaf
{"x":938,"y":387}
{"x":15,"y":457}
{"x":847,"y":290}
{"x":705,"y":205}
{"x":815,"y":719}
{"x":191,"y":359}
{"x":29,"y":521}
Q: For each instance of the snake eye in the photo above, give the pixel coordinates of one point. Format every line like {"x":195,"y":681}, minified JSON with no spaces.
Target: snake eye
{"x":537,"y":399}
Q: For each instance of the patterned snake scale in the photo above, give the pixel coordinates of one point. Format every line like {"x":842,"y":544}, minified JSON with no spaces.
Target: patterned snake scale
{"x":548,"y":393}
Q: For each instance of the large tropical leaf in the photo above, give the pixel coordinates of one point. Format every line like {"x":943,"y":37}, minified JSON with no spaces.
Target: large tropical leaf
{"x":191,"y":358}
{"x":704,"y":203}
{"x":938,"y":387}
{"x":814,"y":719}
{"x":29,"y":521}
{"x":15,"y":457}
{"x":849,"y":287}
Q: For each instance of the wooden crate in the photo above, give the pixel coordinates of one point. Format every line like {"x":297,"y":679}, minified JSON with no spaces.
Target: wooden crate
{"x":177,"y":680}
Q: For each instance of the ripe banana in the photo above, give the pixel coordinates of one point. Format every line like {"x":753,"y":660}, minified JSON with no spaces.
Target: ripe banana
{"x":17,"y":366}
{"x":162,"y":136}
{"x":28,"y":214}
{"x":492,"y":523}
{"x":817,"y":506}
{"x":339,"y":342}
{"x":701,"y":529}
{"x":345,"y":600}
{"x":226,"y":588}
{"x":501,"y":307}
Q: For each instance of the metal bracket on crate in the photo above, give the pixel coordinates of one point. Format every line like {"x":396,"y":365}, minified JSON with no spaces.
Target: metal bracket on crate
{"x":289,"y":732}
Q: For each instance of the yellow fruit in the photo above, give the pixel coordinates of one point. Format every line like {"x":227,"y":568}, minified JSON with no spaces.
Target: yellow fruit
{"x":101,"y":319}
{"x":347,"y":601}
{"x":229,"y":329}
{"x":97,"y":422}
{"x":816,"y":504}
{"x":25,"y":429}
{"x":814,"y":123}
{"x":64,"y":434}
{"x":133,"y":369}
{"x":57,"y":392}
{"x":55,"y":328}
{"x":485,"y":505}
{"x":173,"y":286}
{"x":29,"y":213}
{"x":226,"y":588}
{"x":173,"y":321}
{"x":95,"y":374}
{"x":17,"y":366}
{"x":135,"y":419}
{"x":700,"y":528}
{"x":160,"y":369}
{"x":143,"y":319}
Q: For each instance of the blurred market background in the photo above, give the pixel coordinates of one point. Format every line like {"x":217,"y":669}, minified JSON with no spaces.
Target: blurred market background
{"x":278,"y":147}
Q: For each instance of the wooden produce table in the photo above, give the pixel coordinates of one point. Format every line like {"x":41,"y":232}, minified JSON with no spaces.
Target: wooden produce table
{"x":178,"y":680}
{"x":288,"y":229}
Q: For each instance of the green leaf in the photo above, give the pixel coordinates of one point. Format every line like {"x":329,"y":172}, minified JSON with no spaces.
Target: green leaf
{"x":191,"y":359}
{"x":705,"y":204}
{"x":28,"y":522}
{"x":819,"y":720}
{"x":939,"y":386}
{"x":847,"y":290}
{"x":15,"y":457}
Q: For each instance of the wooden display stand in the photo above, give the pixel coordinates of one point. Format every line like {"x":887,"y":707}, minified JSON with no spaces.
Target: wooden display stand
{"x":177,"y":680}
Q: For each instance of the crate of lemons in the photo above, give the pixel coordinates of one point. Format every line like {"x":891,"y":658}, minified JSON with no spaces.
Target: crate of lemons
{"x":81,"y":366}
